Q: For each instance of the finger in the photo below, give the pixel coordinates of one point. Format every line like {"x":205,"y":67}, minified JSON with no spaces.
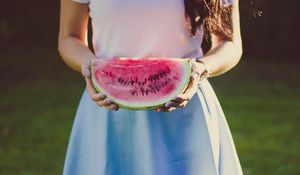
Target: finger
{"x":179,"y":99}
{"x":168,"y":109}
{"x":171,"y":109}
{"x":190,"y":86}
{"x":157,"y":109}
{"x":112,"y":107}
{"x":184,"y":97}
{"x":194,"y":68}
{"x":172,"y":104}
{"x":85,"y":70}
{"x":190,"y":91}
{"x":90,"y":87}
{"x":169,"y":104}
{"x":98,"y":96}
{"x":183,"y":104}
{"x":195,"y":76}
{"x":165,"y":109}
{"x":162,"y":109}
{"x":106,"y":102}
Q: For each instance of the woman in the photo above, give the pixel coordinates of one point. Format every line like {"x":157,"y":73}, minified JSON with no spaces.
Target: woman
{"x":187,"y":136}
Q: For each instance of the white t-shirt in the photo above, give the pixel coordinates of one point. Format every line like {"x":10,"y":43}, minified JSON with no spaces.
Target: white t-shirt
{"x":142,"y":28}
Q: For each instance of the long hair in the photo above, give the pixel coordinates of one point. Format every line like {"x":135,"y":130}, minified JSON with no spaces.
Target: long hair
{"x":213,"y":14}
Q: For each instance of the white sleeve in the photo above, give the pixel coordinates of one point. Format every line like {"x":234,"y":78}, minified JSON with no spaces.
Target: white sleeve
{"x":227,"y":2}
{"x":81,"y":1}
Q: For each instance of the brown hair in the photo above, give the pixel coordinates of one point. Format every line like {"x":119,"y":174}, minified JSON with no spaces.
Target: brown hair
{"x":213,"y":14}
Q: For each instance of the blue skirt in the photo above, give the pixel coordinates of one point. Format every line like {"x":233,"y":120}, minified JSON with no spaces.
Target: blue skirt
{"x":194,"y":140}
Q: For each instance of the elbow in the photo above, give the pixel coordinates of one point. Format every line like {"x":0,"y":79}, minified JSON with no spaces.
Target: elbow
{"x":60,"y":46}
{"x":238,"y":53}
{"x":237,"y":57}
{"x":61,"y":43}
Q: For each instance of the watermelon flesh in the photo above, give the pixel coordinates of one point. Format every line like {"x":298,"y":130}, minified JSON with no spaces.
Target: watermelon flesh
{"x":141,"y":83}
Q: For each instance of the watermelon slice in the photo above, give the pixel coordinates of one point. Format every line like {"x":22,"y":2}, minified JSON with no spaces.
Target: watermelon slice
{"x":141,"y":83}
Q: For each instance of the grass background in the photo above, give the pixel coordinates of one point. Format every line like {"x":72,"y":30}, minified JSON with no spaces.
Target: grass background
{"x":39,"y":96}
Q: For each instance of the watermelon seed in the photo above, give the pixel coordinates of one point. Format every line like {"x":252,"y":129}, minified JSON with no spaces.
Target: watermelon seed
{"x":134,"y":93}
{"x":144,"y":82}
{"x":156,"y":88}
{"x":154,"y":77}
{"x":147,"y":91}
{"x":142,"y":90}
{"x":119,"y":79}
{"x":161,"y":74}
{"x":168,"y":70}
{"x":152,"y":89}
{"x":157,"y":77}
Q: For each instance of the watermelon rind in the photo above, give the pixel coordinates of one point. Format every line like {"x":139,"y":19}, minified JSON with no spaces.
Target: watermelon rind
{"x":182,"y":88}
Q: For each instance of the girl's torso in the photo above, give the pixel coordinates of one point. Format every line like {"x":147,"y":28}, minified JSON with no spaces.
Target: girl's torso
{"x":135,"y":28}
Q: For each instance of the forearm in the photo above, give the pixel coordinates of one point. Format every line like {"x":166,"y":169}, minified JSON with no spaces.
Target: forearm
{"x":74,"y":52}
{"x":224,"y":54}
{"x":72,"y":38}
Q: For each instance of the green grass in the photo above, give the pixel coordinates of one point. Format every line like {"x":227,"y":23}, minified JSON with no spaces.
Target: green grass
{"x":39,"y":96}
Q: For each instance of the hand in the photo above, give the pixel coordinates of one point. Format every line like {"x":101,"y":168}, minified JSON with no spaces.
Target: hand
{"x":182,"y":99}
{"x":99,"y":98}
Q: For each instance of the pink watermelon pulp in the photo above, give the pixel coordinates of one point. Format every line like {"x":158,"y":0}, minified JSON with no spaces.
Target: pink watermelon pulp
{"x":141,"y":83}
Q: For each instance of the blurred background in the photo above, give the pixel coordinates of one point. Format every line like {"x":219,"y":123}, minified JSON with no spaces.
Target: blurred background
{"x":39,"y":94}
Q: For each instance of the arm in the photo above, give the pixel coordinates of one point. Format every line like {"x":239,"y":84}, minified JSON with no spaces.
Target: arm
{"x":72,"y":41}
{"x":72,"y":46}
{"x":224,"y":55}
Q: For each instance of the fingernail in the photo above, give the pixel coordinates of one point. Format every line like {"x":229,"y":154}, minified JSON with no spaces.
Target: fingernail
{"x":102,"y":96}
{"x":178,"y":99}
{"x":169,"y":104}
{"x":87,"y":74}
{"x":109,"y":101}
